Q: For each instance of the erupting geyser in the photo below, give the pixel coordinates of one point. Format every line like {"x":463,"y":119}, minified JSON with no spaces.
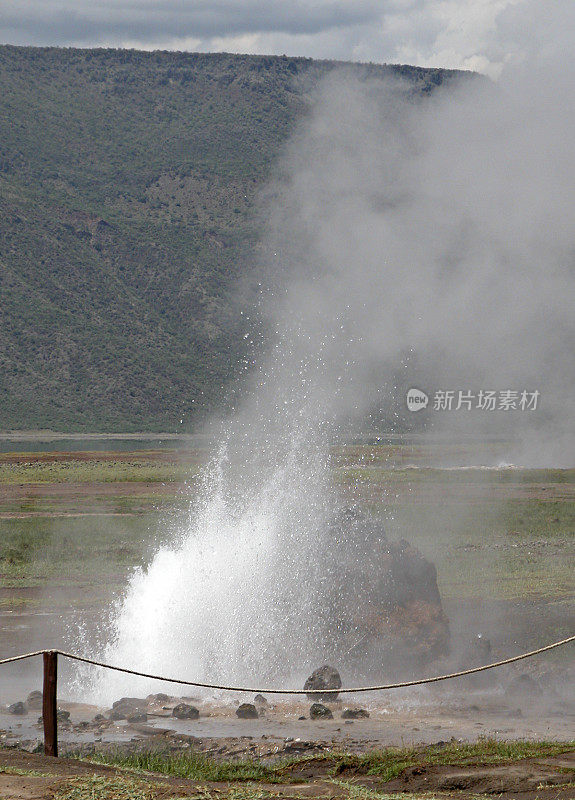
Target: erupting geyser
{"x":397,"y":226}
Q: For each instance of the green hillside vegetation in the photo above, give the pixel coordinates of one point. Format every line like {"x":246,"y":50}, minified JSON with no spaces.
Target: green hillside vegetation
{"x":128,"y":186}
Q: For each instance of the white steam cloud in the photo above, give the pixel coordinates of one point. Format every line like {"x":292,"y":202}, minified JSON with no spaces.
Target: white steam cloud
{"x":442,"y":228}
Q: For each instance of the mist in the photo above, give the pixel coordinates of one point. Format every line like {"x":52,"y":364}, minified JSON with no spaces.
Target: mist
{"x":432,"y":235}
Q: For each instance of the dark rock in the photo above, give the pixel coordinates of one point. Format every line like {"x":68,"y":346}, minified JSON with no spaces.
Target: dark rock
{"x":99,"y":718}
{"x":386,"y":601}
{"x":18,"y":708}
{"x":260,"y":700}
{"x":300,"y":718}
{"x":325,"y":677}
{"x":34,"y":700}
{"x":319,"y":711}
{"x":523,"y":686}
{"x":139,"y":716}
{"x":83,"y":725}
{"x":128,"y":707}
{"x":158,"y":699}
{"x":355,"y":713}
{"x":184,"y":711}
{"x":63,"y":716}
{"x":247,"y":711}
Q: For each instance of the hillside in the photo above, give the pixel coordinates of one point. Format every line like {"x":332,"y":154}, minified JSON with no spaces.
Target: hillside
{"x":127,"y":190}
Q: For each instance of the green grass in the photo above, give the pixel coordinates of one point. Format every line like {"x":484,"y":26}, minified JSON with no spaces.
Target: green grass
{"x":94,"y":471}
{"x":192,"y":766}
{"x":389,"y":763}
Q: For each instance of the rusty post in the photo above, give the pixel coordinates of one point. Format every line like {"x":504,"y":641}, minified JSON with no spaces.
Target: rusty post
{"x":49,"y":703}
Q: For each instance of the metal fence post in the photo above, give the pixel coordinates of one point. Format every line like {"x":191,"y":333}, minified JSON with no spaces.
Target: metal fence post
{"x":49,"y":703}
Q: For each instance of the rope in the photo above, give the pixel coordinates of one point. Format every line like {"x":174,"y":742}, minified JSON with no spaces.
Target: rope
{"x":23,"y":656}
{"x":220,"y":687}
{"x":402,"y":685}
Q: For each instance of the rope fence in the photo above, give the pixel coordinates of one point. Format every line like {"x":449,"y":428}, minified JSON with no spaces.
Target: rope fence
{"x":49,"y":707}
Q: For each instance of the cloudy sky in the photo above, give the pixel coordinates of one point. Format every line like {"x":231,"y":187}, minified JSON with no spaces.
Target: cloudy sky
{"x":484,"y":35}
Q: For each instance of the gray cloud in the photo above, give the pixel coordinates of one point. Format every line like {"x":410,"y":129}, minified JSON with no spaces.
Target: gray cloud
{"x":486,"y":36}
{"x":38,"y":22}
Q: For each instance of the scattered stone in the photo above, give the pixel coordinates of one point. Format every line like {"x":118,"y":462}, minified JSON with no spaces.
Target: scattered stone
{"x":34,"y":700}
{"x":83,"y":725}
{"x":355,"y":713}
{"x":325,"y":677}
{"x":319,"y":711}
{"x":159,"y":698}
{"x":301,"y":718}
{"x":139,"y":716}
{"x":18,"y":708}
{"x":184,"y":711}
{"x":247,"y":711}
{"x":128,"y":707}
{"x":260,"y":700}
{"x":99,"y":718}
{"x":523,"y":686}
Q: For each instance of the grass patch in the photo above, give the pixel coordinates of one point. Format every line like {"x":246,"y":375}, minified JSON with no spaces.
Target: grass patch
{"x":389,"y":763}
{"x":94,"y":471}
{"x":386,"y":764}
{"x":193,"y":766}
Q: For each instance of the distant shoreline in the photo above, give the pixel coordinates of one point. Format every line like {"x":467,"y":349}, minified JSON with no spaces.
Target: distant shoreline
{"x":50,"y":436}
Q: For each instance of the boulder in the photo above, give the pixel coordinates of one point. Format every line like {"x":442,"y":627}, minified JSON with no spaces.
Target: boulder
{"x":139,"y":716}
{"x":260,"y":700}
{"x":128,"y":707}
{"x":34,"y":700}
{"x":158,"y":699}
{"x":385,"y":602}
{"x":355,"y":713}
{"x":63,"y":716}
{"x":319,"y":711}
{"x":325,"y":677}
{"x":18,"y":708}
{"x":184,"y":711}
{"x":247,"y":711}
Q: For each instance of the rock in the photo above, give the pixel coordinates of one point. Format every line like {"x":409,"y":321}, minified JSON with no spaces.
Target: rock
{"x":319,"y":711}
{"x":158,"y":699}
{"x":247,"y":711}
{"x":523,"y":686}
{"x":184,"y":711}
{"x":139,"y":716}
{"x":128,"y":707}
{"x":325,"y":677}
{"x":355,"y":713}
{"x":260,"y":700}
{"x":34,"y":700}
{"x":99,"y":718}
{"x":18,"y":708}
{"x":63,"y":716}
{"x":385,"y":599}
